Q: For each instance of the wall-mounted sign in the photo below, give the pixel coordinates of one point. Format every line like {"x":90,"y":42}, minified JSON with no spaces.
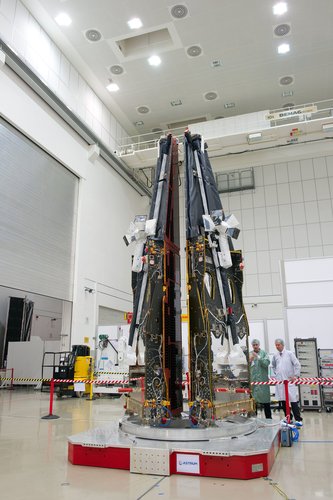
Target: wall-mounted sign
{"x":290,"y":113}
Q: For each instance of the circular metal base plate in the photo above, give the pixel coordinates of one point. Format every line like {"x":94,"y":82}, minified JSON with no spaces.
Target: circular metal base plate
{"x":181,"y":430}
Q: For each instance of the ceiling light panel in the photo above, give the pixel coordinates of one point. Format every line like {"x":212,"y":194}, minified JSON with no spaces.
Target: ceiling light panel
{"x":284,"y":48}
{"x":135,"y":23}
{"x":63,"y":19}
{"x":280,"y":8}
{"x":229,"y":105}
{"x":112,"y":87}
{"x":154,"y":60}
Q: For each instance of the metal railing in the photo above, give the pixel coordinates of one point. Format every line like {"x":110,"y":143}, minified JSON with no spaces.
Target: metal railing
{"x":276,"y":117}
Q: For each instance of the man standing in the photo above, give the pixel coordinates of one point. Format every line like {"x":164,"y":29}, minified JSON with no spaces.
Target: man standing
{"x":259,"y":363}
{"x":287,"y":367}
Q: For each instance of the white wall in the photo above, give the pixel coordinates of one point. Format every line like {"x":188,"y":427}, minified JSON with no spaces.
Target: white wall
{"x":107,"y":204}
{"x":288,"y":215}
{"x":308,"y":299}
{"x":20,"y":30}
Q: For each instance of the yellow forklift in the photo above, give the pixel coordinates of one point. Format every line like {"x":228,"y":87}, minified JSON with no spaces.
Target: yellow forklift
{"x":74,"y":365}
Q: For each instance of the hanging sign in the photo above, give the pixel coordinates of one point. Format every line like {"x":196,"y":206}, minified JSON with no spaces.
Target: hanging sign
{"x":290,"y":113}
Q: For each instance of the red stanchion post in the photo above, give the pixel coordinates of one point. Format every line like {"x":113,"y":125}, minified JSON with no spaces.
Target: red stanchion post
{"x":286,"y":384}
{"x":50,"y":416}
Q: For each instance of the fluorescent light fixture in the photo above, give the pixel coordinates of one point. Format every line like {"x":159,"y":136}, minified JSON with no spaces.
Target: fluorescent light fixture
{"x":154,"y":61}
{"x":280,"y":8}
{"x":283,"y":48}
{"x":135,"y":23}
{"x":255,"y":137}
{"x":112,"y":87}
{"x":63,"y":19}
{"x":327,"y":127}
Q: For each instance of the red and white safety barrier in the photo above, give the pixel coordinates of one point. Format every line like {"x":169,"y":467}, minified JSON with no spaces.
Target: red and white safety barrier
{"x":326,"y":381}
{"x":88,"y":381}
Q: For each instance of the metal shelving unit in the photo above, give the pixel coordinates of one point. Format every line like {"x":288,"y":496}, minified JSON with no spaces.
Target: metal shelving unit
{"x":310,"y":396}
{"x":326,"y":370}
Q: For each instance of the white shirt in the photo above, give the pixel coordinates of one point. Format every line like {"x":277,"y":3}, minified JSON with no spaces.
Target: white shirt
{"x":285,"y":365}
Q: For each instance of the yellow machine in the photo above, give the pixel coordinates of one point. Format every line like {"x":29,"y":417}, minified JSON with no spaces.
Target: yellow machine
{"x":75,"y":365}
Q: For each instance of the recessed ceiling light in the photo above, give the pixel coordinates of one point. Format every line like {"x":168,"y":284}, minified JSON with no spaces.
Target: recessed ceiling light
{"x":63,"y":19}
{"x":229,"y":105}
{"x":135,"y":23}
{"x":280,"y":8}
{"x":283,"y":48}
{"x":139,"y":123}
{"x":112,"y":87}
{"x":154,"y":60}
{"x":287,"y":93}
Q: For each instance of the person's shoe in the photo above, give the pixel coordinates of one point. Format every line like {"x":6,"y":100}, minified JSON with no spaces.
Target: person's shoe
{"x":299,"y":424}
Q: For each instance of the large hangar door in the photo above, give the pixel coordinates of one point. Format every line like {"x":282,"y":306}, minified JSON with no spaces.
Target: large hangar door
{"x":38,"y":211}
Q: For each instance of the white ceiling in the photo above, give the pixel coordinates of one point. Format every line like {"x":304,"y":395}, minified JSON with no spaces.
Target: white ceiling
{"x":239,"y":33}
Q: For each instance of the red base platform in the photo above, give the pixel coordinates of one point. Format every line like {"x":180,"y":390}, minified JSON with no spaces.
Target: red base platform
{"x":215,"y":464}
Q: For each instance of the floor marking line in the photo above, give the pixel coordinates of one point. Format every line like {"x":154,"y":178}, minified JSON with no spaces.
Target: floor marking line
{"x":152,"y":487}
